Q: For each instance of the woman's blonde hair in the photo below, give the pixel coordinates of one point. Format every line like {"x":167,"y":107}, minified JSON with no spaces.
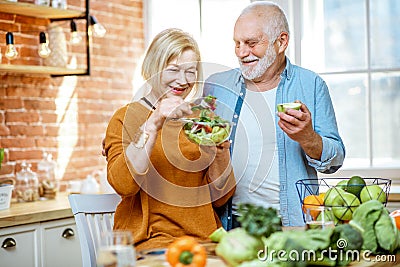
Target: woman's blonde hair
{"x":165,"y":46}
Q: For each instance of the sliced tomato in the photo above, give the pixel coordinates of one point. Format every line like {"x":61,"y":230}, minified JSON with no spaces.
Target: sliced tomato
{"x":208,"y":128}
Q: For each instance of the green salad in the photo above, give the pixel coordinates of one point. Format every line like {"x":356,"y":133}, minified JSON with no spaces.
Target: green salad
{"x":208,"y":129}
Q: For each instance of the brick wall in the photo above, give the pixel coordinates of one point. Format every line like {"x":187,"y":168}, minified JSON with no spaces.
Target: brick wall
{"x":67,"y":116}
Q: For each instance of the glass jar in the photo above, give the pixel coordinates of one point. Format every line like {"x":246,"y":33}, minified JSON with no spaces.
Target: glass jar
{"x":47,"y":177}
{"x":27,"y":185}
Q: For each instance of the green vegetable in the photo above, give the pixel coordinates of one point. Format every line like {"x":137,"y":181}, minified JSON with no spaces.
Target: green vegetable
{"x":208,"y":129}
{"x":347,"y":232}
{"x":291,"y":241}
{"x":238,"y":246}
{"x":382,"y":227}
{"x":259,"y":221}
{"x":377,"y":228}
{"x":218,"y":234}
{"x":209,"y":102}
{"x":1,"y":156}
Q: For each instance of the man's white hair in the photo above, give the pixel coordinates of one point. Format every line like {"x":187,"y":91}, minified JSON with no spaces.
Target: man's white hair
{"x":273,"y":16}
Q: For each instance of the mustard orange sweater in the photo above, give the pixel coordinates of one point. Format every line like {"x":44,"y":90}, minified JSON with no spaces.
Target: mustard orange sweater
{"x":175,"y":196}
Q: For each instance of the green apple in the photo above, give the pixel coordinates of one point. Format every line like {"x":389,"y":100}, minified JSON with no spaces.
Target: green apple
{"x":372,"y":191}
{"x":344,"y":205}
{"x":342,"y":184}
{"x":284,"y":106}
{"x":331,"y":194}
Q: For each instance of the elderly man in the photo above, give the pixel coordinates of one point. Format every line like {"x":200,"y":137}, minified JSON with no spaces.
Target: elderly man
{"x":272,"y":150}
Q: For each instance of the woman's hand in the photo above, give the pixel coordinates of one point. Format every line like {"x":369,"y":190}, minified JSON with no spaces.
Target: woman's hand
{"x":221,"y":165}
{"x":171,"y":107}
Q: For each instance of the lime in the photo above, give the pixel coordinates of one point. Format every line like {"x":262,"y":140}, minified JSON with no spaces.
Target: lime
{"x":355,"y":185}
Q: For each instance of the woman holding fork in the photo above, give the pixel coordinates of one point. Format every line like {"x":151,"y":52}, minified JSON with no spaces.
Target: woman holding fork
{"x":169,"y":186}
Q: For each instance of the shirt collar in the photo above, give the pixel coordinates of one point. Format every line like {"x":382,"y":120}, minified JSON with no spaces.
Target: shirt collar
{"x":287,"y":72}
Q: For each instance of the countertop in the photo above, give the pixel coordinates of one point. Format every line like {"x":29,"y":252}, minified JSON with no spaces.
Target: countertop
{"x":59,"y":208}
{"x":37,"y":211}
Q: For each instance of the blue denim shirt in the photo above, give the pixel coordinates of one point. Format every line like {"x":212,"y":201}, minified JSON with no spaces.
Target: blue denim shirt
{"x":296,"y":84}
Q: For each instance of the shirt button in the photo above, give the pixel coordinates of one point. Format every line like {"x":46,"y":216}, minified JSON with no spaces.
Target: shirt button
{"x":235,"y":116}
{"x":241,"y":94}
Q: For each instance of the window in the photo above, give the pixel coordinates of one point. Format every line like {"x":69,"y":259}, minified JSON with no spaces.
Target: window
{"x":352,"y":44}
{"x":211,"y":22}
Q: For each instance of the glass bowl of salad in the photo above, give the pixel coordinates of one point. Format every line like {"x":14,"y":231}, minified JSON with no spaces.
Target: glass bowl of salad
{"x":207,"y":128}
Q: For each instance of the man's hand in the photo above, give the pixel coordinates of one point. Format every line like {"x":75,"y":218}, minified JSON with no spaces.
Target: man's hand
{"x":297,"y":124}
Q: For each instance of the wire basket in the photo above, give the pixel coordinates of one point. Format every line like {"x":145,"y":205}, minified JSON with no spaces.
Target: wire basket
{"x":319,"y":188}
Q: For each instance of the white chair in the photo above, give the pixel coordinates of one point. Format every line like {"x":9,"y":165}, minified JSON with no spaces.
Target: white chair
{"x":93,"y":214}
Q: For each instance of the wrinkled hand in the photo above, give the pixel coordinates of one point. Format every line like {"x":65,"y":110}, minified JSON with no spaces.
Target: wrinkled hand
{"x":297,"y":124}
{"x":172,"y":107}
{"x":220,"y":149}
{"x":221,"y":165}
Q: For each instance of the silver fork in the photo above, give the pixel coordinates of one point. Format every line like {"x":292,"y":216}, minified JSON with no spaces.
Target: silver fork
{"x":186,"y":120}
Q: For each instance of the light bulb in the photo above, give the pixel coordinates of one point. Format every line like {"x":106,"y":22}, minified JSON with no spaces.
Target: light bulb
{"x":44,"y":50}
{"x":11,"y":52}
{"x":96,"y":28}
{"x":75,"y":37}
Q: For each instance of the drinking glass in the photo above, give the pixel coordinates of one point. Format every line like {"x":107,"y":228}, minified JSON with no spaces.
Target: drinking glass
{"x":319,"y":217}
{"x":116,"y":250}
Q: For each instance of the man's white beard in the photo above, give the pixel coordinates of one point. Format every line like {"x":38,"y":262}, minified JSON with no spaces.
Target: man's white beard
{"x":252,"y":73}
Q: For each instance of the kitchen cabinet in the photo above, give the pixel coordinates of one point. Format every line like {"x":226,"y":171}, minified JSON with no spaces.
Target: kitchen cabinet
{"x":20,"y":246}
{"x":53,"y":14}
{"x":44,"y":244}
{"x":60,"y":244}
{"x":39,"y":234}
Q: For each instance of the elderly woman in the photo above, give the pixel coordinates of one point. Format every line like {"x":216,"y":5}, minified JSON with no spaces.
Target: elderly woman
{"x":169,"y":186}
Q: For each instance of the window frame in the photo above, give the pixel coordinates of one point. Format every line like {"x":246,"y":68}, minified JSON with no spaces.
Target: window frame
{"x":294,"y":13}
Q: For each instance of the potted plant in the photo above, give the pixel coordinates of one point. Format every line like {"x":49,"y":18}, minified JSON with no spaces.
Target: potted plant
{"x":6,"y":187}
{"x":1,"y":156}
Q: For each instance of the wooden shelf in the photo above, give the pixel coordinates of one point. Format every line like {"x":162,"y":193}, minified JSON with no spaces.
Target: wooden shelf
{"x":52,"y":14}
{"x":38,"y":11}
{"x":29,"y":69}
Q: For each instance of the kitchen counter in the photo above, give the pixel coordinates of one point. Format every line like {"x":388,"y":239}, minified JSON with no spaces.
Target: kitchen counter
{"x":37,"y":211}
{"x":59,"y":208}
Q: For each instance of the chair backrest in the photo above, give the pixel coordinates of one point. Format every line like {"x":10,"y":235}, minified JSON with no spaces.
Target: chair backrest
{"x":93,"y":214}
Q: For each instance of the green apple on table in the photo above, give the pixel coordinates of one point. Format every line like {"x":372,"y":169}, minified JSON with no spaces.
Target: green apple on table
{"x":372,"y":191}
